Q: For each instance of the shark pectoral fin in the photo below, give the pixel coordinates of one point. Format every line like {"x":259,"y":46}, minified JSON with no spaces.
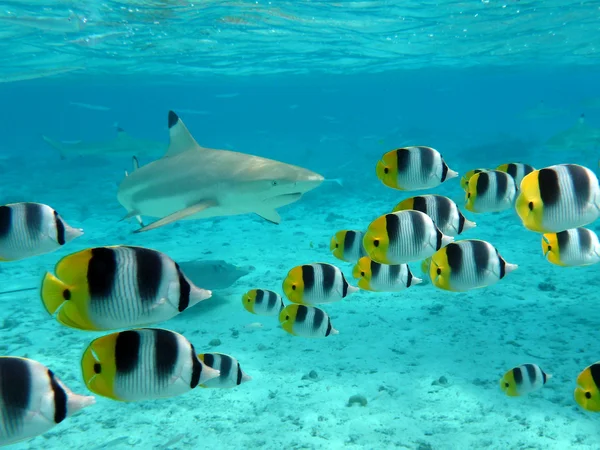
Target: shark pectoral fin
{"x":180,"y":139}
{"x":270,"y":215}
{"x":178,"y":215}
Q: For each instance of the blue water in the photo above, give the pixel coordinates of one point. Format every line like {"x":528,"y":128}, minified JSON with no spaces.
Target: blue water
{"x":392,"y":349}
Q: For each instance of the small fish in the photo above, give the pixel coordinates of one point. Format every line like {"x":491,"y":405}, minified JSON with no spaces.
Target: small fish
{"x":523,"y":379}
{"x":468,"y":264}
{"x":229,"y":95}
{"x":347,"y":245}
{"x":262,"y":302}
{"x":490,"y":191}
{"x":106,"y":288}
{"x":373,"y":276}
{"x":558,"y":198}
{"x":516,"y":170}
{"x":464,"y":181}
{"x":143,"y":364}
{"x":89,"y":106}
{"x":33,"y":399}
{"x":311,"y":284}
{"x":442,"y":210}
{"x":306,"y":321}
{"x":32,"y":229}
{"x":403,"y":237}
{"x":573,"y":247}
{"x":587,"y":392}
{"x":231,"y":373}
{"x":413,"y":168}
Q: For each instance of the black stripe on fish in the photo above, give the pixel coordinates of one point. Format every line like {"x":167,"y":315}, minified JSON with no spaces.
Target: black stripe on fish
{"x":149,"y":268}
{"x":518,"y":376}
{"x":403,"y":160}
{"x":196,"y":368}
{"x":393,"y":272}
{"x":166,"y":352}
{"x":419,"y":226}
{"x":329,"y":327}
{"x":527,"y":169}
{"x":318,"y":319}
{"x":563,"y":239}
{"x":60,"y":229}
{"x":585,"y":240}
{"x":461,"y":222}
{"x":483,"y":183}
{"x":513,"y":170}
{"x":308,"y":277}
{"x":5,"y":221}
{"x":549,"y":187}
{"x":502,"y":180}
{"x":33,"y":218}
{"x":428,"y":159}
{"x":595,"y":373}
{"x":502,"y":264}
{"x":531,"y":373}
{"x":101,"y":272}
{"x":443,"y":208}
{"x":580,"y":181}
{"x":454,"y":255}
{"x":420,"y":204}
{"x":16,"y":381}
{"x":225,"y":367}
{"x":239,"y":375}
{"x":60,"y":399}
{"x":344,"y":286}
{"x":481,"y":256}
{"x":184,"y":290}
{"x":259,"y":297}
{"x":445,"y":169}
{"x":272,"y":300}
{"x":375,"y":269}
{"x":544,"y":376}
{"x":301,"y":313}
{"x":409,"y":277}
{"x":127,"y":351}
{"x":438,"y":238}
{"x":328,"y":272}
{"x":392,"y":227}
{"x":349,"y":240}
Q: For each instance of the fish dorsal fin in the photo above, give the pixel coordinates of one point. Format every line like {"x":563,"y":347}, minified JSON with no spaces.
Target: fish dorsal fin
{"x":180,"y":139}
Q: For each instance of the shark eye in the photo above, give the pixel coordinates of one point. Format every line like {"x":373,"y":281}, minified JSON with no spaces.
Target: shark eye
{"x":274,"y":183}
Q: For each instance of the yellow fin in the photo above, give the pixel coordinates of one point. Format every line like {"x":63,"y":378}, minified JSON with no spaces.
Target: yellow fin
{"x":70,"y":316}
{"x":72,"y":269}
{"x":52,"y":293}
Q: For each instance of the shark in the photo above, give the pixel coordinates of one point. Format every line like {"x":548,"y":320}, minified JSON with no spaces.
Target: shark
{"x":579,"y":137}
{"x":194,"y":182}
{"x":122,"y":144}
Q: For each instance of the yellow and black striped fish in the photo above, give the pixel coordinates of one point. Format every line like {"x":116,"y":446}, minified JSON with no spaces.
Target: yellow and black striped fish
{"x":573,"y":247}
{"x":464,"y":181}
{"x":306,"y":321}
{"x":403,"y":237}
{"x":413,"y":168}
{"x":346,"y":245}
{"x":106,"y":288}
{"x":31,"y":229}
{"x":442,"y":210}
{"x":523,"y":379}
{"x":231,"y":373}
{"x":516,"y":170}
{"x":311,"y":284}
{"x":262,"y":302}
{"x":373,"y":276}
{"x":587,"y":392}
{"x":468,"y":264}
{"x":490,"y":191}
{"x":558,"y":198}
{"x":143,"y":364}
{"x":33,"y":400}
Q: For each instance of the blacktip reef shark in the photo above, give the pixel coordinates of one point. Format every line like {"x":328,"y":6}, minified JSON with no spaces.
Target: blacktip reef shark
{"x":193,"y":182}
{"x":579,"y":137}
{"x":122,"y":144}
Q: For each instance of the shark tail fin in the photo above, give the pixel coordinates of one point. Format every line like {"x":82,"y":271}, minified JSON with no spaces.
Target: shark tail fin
{"x":54,"y":144}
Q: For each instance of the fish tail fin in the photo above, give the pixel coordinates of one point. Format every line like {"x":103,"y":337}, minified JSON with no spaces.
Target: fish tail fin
{"x":54,"y":144}
{"x":52,"y":293}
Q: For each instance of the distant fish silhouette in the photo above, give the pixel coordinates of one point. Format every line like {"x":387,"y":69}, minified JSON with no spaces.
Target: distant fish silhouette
{"x":70,"y":24}
{"x":89,"y":106}
{"x":541,"y":111}
{"x":213,"y":274}
{"x":123,"y":144}
{"x":579,"y":137}
{"x":192,"y":182}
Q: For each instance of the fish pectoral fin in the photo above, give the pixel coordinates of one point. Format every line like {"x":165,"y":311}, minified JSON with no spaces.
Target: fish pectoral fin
{"x":270,"y":215}
{"x":178,"y":215}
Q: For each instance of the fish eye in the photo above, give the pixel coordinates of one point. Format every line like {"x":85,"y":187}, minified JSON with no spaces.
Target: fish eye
{"x":97,"y":368}
{"x":249,"y":300}
{"x":362,"y":274}
{"x":549,"y":247}
{"x":506,"y":384}
{"x":337,"y":245}
{"x":67,"y":294}
{"x":287,"y":317}
{"x":293,"y":287}
{"x":530,"y":205}
{"x":386,"y":170}
{"x":274,"y":183}
{"x":588,"y":395}
{"x":439,"y":271}
{"x":468,"y":195}
{"x":376,"y":242}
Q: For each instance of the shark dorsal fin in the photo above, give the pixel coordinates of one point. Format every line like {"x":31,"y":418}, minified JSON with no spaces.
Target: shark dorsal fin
{"x":180,"y":139}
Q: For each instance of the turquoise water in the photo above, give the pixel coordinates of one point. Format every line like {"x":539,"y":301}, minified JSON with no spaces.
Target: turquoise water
{"x":330,"y":87}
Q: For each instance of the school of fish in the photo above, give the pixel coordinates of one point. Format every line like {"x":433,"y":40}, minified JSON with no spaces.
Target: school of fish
{"x":127,"y":287}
